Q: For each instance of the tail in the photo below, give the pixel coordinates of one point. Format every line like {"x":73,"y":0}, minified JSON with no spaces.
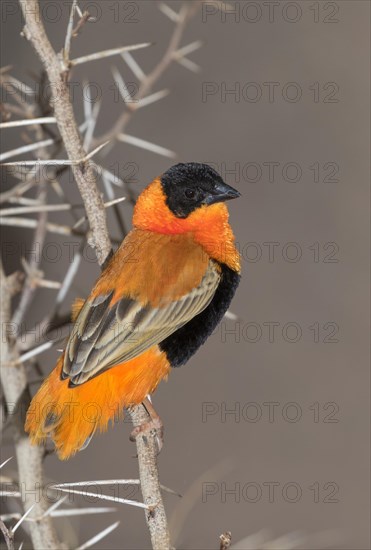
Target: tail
{"x":70,"y":416}
{"x":59,"y":413}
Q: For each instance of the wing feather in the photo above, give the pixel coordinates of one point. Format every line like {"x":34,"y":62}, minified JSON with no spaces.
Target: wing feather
{"x":106,"y":335}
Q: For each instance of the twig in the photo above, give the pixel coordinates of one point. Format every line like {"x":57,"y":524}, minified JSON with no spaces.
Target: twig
{"x":67,"y":42}
{"x":150,"y":483}
{"x":84,"y":18}
{"x":188,"y":10}
{"x":225,"y":540}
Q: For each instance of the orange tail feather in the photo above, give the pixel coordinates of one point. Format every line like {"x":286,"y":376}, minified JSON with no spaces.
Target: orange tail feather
{"x":71,"y":415}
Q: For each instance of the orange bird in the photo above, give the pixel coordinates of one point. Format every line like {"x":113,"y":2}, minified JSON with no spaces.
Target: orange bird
{"x":159,"y":298}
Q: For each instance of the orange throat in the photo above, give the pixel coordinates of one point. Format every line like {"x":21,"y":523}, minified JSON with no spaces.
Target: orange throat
{"x":208,"y":224}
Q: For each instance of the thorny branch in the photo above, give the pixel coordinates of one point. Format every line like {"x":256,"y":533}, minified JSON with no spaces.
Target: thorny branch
{"x":14,"y":378}
{"x":13,"y":352}
{"x":63,"y":112}
{"x":188,"y":10}
{"x":29,"y":458}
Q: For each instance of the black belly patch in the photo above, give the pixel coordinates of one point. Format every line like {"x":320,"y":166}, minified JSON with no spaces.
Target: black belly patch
{"x":181,"y":345}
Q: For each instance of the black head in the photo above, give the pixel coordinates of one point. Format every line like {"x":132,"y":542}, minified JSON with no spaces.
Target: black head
{"x":191,"y":185}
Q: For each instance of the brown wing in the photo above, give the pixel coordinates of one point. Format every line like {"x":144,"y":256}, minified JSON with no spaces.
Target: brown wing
{"x":108,"y":331}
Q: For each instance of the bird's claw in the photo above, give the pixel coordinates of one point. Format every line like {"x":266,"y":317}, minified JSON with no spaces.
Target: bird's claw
{"x":153,"y":427}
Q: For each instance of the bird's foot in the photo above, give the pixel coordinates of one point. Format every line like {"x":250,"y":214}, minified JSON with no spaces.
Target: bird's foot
{"x":154,"y":426}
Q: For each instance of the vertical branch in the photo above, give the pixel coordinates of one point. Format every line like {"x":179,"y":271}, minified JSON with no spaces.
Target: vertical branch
{"x":63,"y":112}
{"x":29,"y":458}
{"x":150,"y":483}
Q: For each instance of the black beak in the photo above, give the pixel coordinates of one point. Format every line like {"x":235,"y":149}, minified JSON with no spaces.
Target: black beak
{"x":221,"y":192}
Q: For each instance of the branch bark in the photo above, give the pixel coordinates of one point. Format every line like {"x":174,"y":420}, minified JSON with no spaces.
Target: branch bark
{"x":29,"y":458}
{"x":54,"y":65}
{"x":150,"y":483}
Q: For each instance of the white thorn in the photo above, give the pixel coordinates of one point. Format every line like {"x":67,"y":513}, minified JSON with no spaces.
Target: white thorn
{"x":143,"y":144}
{"x":170,"y":13}
{"x":98,"y":537}
{"x":22,"y":518}
{"x":108,"y":53}
{"x":152,"y":98}
{"x":5,"y":462}
{"x":26,"y":149}
{"x":188,"y":64}
{"x":133,"y":65}
{"x":28,"y":122}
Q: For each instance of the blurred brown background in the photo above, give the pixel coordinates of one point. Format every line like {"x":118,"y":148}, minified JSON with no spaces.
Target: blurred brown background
{"x":293,"y":137}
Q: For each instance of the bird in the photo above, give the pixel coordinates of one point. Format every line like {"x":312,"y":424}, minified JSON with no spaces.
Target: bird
{"x":158,"y":299}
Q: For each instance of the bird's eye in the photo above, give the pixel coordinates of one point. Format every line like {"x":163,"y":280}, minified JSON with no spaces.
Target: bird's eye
{"x":190,"y":193}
